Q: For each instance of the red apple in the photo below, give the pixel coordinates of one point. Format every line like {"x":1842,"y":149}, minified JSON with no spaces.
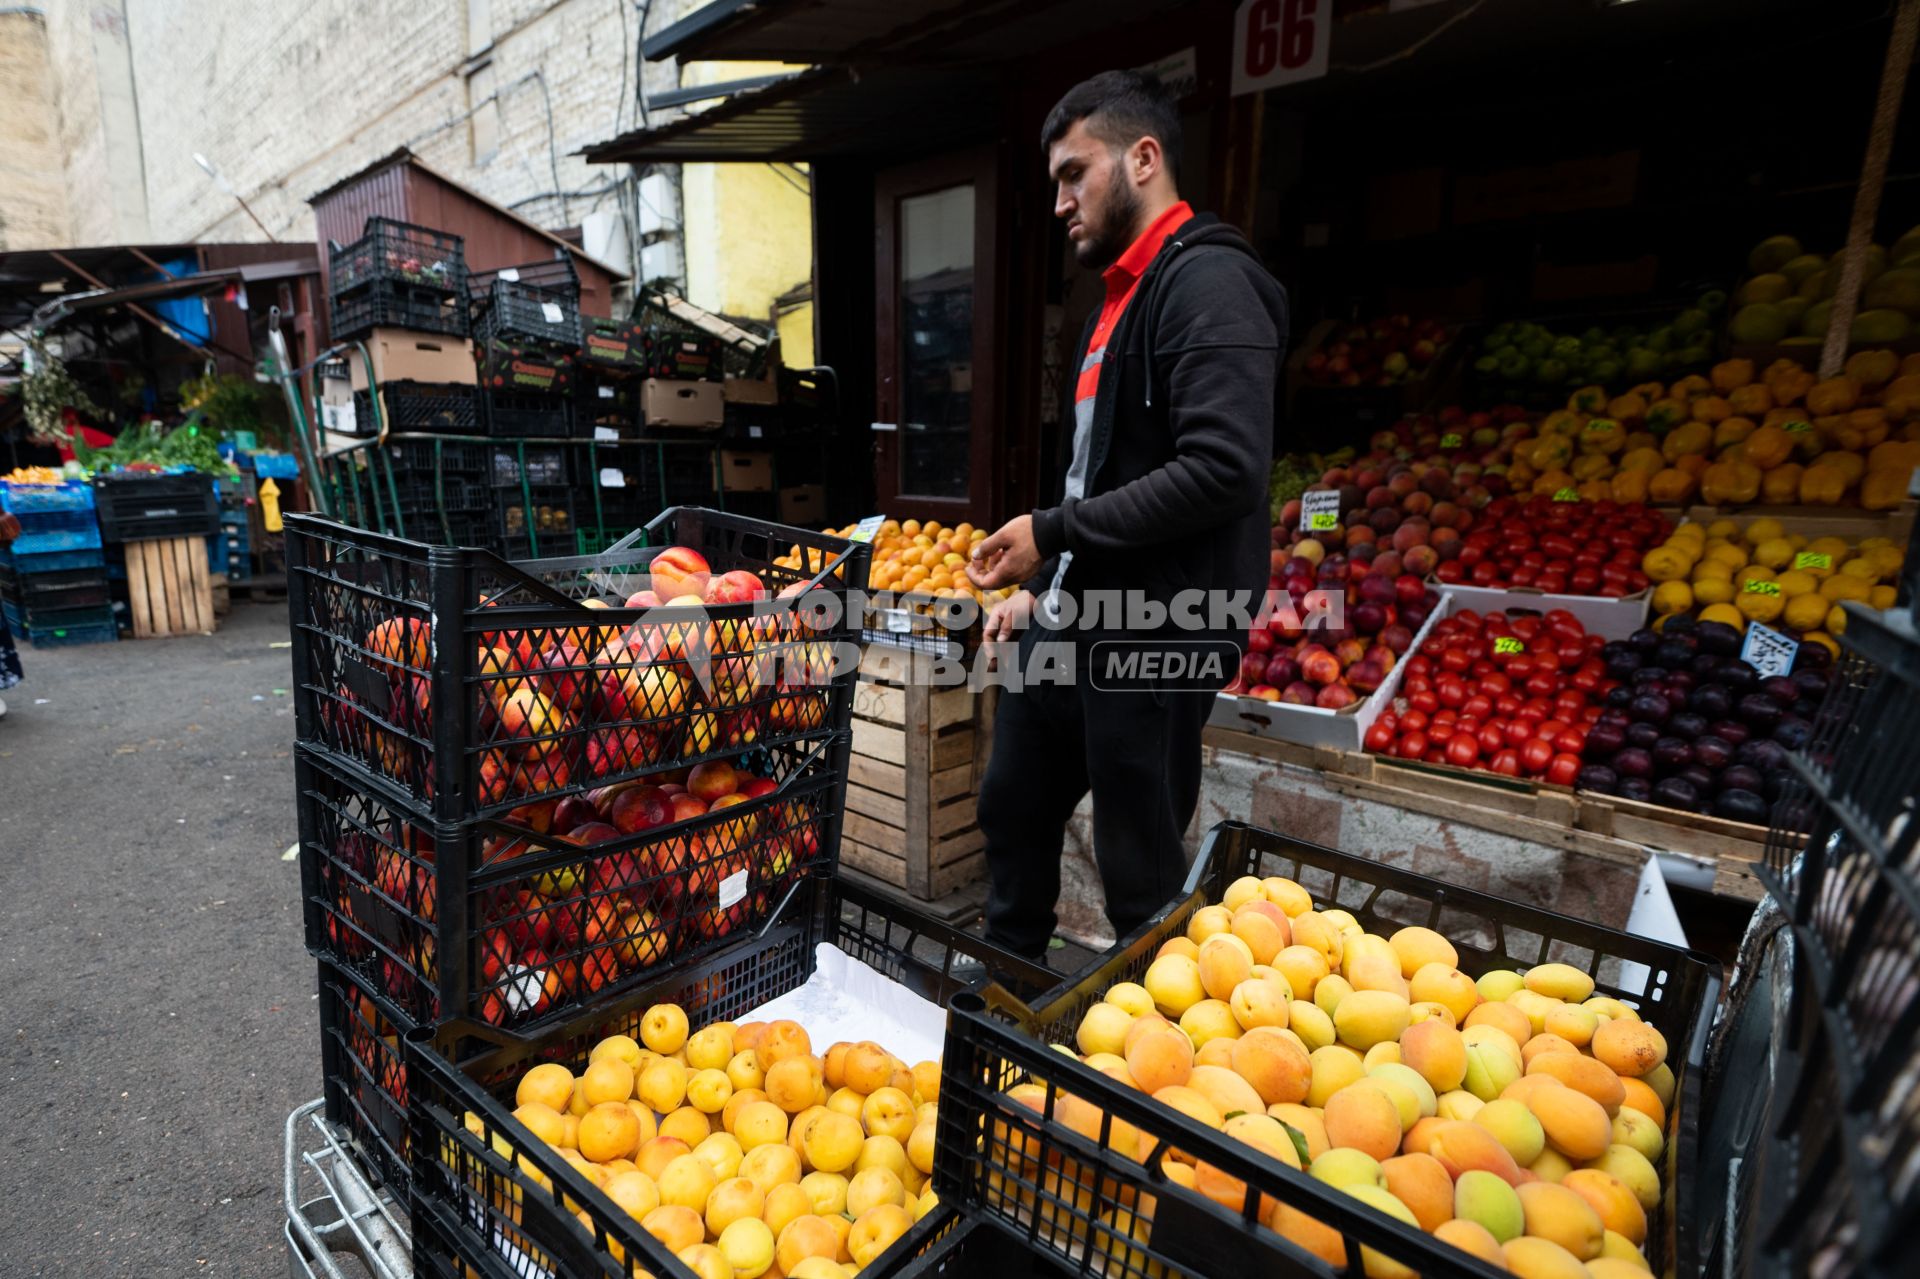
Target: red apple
{"x":571,"y":812}
{"x":678,"y":571}
{"x":711,"y":780}
{"x":641,"y":808}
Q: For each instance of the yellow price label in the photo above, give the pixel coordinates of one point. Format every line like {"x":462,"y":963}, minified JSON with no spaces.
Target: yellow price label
{"x":1321,"y":520}
{"x":1797,"y":428}
{"x":1567,"y":495}
{"x":1508,"y":644}
{"x":1450,"y":441}
{"x":1812,"y":559}
{"x":1763,"y":588}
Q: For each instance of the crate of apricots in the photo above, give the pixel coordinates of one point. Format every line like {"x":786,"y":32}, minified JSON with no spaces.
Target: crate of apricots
{"x":683,"y":1136}
{"x":1316,"y":1061}
{"x":1780,"y":573}
{"x":920,"y":596}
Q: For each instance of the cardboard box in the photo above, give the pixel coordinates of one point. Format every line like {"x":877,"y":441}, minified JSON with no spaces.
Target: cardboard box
{"x":803,"y":504}
{"x":746,"y":471}
{"x":760,"y":390}
{"x":671,"y":402}
{"x":1611,"y":619}
{"x":419,"y":357}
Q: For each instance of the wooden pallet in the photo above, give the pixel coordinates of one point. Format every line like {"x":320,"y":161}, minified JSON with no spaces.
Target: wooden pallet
{"x":169,"y":587}
{"x":918,"y":755}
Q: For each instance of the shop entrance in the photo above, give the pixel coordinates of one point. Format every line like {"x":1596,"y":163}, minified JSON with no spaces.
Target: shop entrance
{"x":935,"y":372}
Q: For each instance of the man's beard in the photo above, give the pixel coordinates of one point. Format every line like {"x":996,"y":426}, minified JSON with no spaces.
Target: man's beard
{"x":1104,"y":242}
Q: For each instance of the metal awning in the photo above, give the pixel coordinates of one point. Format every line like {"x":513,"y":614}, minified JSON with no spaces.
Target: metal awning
{"x":823,"y":112}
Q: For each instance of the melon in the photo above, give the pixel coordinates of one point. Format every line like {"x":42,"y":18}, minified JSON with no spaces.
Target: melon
{"x":1758,"y":322}
{"x":1896,"y":290}
{"x":1813,"y":323}
{"x":1772,"y":253}
{"x":1770,"y":287}
{"x":1880,"y":326}
{"x":1802,"y":267}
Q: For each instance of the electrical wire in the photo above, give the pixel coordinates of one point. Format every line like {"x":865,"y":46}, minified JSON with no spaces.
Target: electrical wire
{"x":1415,"y":47}
{"x":778,"y":172}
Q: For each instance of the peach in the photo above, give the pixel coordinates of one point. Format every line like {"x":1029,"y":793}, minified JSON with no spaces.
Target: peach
{"x":1616,"y":1268}
{"x":675,"y":1225}
{"x":708,"y":1091}
{"x":1582,"y":1074}
{"x":1362,"y":1116}
{"x":1490,"y":1203}
{"x":888,"y":1112}
{"x":687,"y":1182}
{"x":1661,"y":1080}
{"x":1255,"y":1129}
{"x":1559,"y":981}
{"x":1189,"y":1102}
{"x":1332,"y":1067}
{"x":731,"y":1200}
{"x":748,"y":1246}
{"x":1502,"y":1016}
{"x":1527,"y":1087}
{"x":834,"y":1141}
{"x":1305,"y":1121}
{"x":1310,"y":1023}
{"x":1458,"y":1104}
{"x":1544,"y":1042}
{"x":1419,"y":1138}
{"x":867,"y":1067}
{"x":1209,"y":921}
{"x":805,"y":1236}
{"x":1418,"y":947}
{"x":1636,"y":1095}
{"x":550,"y":1084}
{"x":827,"y":1191}
{"x":771,"y":1165}
{"x":1276,"y":1067}
{"x":1310,"y":1234}
{"x":723,"y":1152}
{"x":1103,"y":1029}
{"x":1209,"y":1019}
{"x":1611,"y":1200}
{"x":653,"y":1156}
{"x":1633,"y":1129}
{"x":1633,"y":1169}
{"x":1419,"y":1182}
{"x":1496,"y":984}
{"x":678,"y":571}
{"x":1574,"y":1023}
{"x":1311,"y":929}
{"x":1159,"y":1058}
{"x":544,"y":1122}
{"x":1556,"y":1212}
{"x":1302,"y":966}
{"x":1399,"y":1075}
{"x":1532,"y":1258}
{"x":872,"y":1187}
{"x":1174,"y":981}
{"x":1630,"y":1048}
{"x":1616,"y":1247}
{"x":1489,"y":1071}
{"x":663,"y":1084}
{"x":688,"y":1124}
{"x":1550,"y":1166}
{"x":1264,"y":928}
{"x":1534,"y":1007}
{"x":609,"y":1130}
{"x":1514,"y":1127}
{"x":741,"y":1099}
{"x":1258,"y":1003}
{"x":1575,"y":1123}
{"x":760,"y":1123}
{"x":1227,"y":1091}
{"x":1377,"y":1265}
{"x":794,"y":1082}
{"x":1215,"y":1052}
{"x":1329,"y":991}
{"x":1225,"y":961}
{"x":1446,"y":985}
{"x":1462,"y":1147}
{"x":875,"y":1230}
{"x":664,"y":1029}
{"x":1437,"y":1051}
{"x":1287,"y":895}
{"x":1471,"y":1237}
{"x":1241,"y":891}
{"x":1368,"y":1017}
{"x":1178,"y":946}
{"x":1345,"y":1166}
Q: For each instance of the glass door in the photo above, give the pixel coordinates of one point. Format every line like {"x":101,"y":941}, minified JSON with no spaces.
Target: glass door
{"x":933,"y":442}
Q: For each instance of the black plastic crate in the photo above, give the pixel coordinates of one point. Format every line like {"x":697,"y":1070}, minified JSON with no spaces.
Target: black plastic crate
{"x":1069,"y":1192}
{"x":464,"y":1132}
{"x":809,"y":399}
{"x":528,"y":414}
{"x":69,"y":588}
{"x":1833,"y":1183}
{"x":555,"y":273}
{"x":395,"y":252}
{"x":529,"y":368}
{"x":673,"y":347}
{"x":544,"y":512}
{"x":393,"y":304}
{"x":431,"y":408}
{"x":364,"y":1073}
{"x":521,"y":310}
{"x":604,"y":400}
{"x":536,"y":464}
{"x":478,"y":686}
{"x":447,"y":457}
{"x":136,"y":508}
{"x":614,"y":347}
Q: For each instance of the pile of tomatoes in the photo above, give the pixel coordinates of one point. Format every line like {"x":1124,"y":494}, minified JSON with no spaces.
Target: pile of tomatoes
{"x":1561,"y":548}
{"x":1514,"y":695}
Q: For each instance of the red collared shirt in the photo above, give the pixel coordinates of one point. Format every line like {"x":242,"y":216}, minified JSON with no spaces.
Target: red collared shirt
{"x":1122,"y":278}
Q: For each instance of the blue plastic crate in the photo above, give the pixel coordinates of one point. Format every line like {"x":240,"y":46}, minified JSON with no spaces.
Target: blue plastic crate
{"x":276,"y":466}
{"x":32,"y":623}
{"x":71,"y":635}
{"x":24,"y":562}
{"x":56,"y":521}
{"x":77,"y":539}
{"x":22,"y":499}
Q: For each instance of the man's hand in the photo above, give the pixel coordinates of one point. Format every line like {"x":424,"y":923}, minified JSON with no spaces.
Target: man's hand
{"x":1005,"y":557}
{"x":1003,"y":619}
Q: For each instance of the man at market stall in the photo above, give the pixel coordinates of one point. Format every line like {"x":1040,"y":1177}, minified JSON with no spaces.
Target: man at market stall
{"x":1164,"y":497}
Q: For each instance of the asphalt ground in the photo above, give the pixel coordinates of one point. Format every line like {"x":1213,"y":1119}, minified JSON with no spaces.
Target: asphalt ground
{"x":158,"y":1004}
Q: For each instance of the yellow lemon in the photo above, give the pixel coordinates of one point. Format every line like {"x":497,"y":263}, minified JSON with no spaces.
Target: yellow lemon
{"x":1806,"y":612}
{"x":1796,"y":582}
{"x":1775,"y":553}
{"x":1672,"y":597}
{"x":1712,"y":590}
{"x":1724,"y":613}
{"x":1761,"y":606}
{"x":1763,"y":530}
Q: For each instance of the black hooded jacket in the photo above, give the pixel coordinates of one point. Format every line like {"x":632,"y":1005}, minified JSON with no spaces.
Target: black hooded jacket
{"x":1183,"y":429}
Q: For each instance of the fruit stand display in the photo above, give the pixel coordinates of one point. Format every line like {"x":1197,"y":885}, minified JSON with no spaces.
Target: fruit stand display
{"x":1531,"y":361}
{"x":1788,"y":297}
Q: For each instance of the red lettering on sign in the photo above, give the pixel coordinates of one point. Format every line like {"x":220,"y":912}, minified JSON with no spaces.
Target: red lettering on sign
{"x":1296,"y":33}
{"x":1263,"y":42}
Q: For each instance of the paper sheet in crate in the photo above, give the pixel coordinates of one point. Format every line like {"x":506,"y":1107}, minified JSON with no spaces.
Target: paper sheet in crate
{"x":844,"y":999}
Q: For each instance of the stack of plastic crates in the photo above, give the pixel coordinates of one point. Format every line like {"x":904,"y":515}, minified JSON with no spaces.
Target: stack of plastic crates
{"x":230,"y":551}
{"x":456,"y":713}
{"x":1819,"y":1128}
{"x":532,"y":500}
{"x":398,"y":275}
{"x":675,"y":347}
{"x":53,"y":577}
{"x":526,"y":324}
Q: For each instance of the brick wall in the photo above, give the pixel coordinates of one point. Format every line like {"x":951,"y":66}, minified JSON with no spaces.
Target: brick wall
{"x":33,"y":197}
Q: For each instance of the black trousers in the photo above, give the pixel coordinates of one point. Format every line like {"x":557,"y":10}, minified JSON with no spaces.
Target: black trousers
{"x":1138,"y":752}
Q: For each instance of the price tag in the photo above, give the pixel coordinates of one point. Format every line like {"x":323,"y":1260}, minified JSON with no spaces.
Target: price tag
{"x":1601,"y":424}
{"x":339,"y":417}
{"x":611,"y":478}
{"x":1450,"y":441}
{"x":1768,"y":651}
{"x":865,"y":529}
{"x":1508,"y":644}
{"x":606,"y":393}
{"x":1797,"y":428}
{"x":1278,"y":42}
{"x":1320,"y":510}
{"x":606,"y":434}
{"x":733,"y":888}
{"x":899,"y":621}
{"x":1763,"y":588}
{"x":553,"y":314}
{"x":508,"y":273}
{"x":1567,"y":495}
{"x":753,"y":432}
{"x":1812,"y":559}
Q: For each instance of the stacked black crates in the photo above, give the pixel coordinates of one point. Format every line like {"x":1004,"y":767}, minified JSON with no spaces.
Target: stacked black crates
{"x":527,"y":334}
{"x":53,"y":576}
{"x":401,"y":276}
{"x":446,"y":704}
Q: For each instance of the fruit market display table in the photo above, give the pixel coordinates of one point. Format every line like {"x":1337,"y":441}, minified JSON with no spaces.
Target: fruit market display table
{"x":913,"y":783}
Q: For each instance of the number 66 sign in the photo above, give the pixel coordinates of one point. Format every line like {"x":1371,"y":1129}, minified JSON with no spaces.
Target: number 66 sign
{"x":1277,"y":42}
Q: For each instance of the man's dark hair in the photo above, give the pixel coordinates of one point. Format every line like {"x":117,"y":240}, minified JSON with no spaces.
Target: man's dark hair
{"x":1120,"y":107}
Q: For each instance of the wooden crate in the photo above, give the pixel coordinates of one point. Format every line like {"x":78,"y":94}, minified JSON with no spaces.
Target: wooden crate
{"x":169,"y":587}
{"x":919,"y":753}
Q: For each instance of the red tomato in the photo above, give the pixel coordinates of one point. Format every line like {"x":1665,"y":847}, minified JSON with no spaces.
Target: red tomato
{"x":1454,"y":659}
{"x":1568,"y":704}
{"x":1424,"y":700}
{"x":1506,"y":704}
{"x":1463,"y":751}
{"x":1452,"y":690}
{"x":1519,"y":732}
{"x":1536,"y":754}
{"x":1478,"y":705}
{"x":1497,"y":683}
{"x":1493,"y":738}
{"x":1585,"y":681}
{"x":1414,"y":721}
{"x":1563,"y":769}
{"x":1440,"y":734}
{"x":1551,"y":729}
{"x":1380,"y":736}
{"x":1570,"y":741}
{"x":1543,"y":684}
{"x":1445,"y":715}
{"x":1506,"y":763}
{"x":1411,"y":746}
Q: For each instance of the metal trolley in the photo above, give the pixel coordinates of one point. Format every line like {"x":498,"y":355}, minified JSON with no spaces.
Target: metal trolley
{"x":338,"y":1225}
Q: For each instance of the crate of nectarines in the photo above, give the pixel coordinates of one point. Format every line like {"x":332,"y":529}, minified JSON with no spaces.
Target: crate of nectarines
{"x":677,"y":1133}
{"x":479,"y":688}
{"x":1314,"y":1061}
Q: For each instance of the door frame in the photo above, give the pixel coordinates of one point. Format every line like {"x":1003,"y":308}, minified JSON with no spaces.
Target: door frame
{"x":978,"y":165}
